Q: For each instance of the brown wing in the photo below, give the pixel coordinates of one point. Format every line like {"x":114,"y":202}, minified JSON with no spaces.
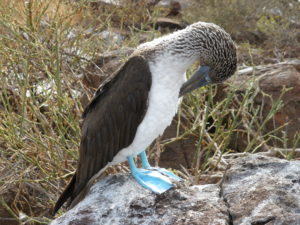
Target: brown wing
{"x":110,"y":122}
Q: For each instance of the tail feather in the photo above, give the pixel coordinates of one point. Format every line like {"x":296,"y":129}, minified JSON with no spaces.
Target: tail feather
{"x":65,"y":195}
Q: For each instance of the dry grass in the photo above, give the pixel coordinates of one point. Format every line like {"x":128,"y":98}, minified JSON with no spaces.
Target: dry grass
{"x":45,"y":50}
{"x":270,"y":24}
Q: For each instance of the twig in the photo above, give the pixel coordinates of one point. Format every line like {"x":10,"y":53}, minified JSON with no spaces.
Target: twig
{"x":158,"y":151}
{"x":4,"y":204}
{"x":219,"y":152}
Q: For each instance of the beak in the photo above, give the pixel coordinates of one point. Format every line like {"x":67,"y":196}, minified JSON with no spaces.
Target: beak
{"x":199,"y":79}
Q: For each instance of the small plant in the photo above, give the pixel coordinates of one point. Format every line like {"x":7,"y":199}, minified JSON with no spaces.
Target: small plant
{"x":272,"y":24}
{"x":226,"y":122}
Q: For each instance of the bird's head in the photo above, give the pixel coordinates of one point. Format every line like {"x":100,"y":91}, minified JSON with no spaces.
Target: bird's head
{"x":218,"y":61}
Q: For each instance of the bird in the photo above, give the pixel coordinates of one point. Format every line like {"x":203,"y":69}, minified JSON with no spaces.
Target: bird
{"x":132,"y":108}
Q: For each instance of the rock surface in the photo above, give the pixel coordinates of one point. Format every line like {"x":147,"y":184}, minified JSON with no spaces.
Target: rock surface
{"x":263,"y":190}
{"x":118,"y":199}
{"x":256,"y":190}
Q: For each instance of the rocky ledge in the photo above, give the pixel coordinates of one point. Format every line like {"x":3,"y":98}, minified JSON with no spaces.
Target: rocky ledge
{"x":256,"y":190}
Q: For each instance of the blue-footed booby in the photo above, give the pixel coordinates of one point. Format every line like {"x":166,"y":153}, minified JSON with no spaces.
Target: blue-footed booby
{"x":134,"y":107}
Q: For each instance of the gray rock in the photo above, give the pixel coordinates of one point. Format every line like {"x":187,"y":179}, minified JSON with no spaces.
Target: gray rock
{"x":255,"y":190}
{"x":263,"y":190}
{"x":119,"y":200}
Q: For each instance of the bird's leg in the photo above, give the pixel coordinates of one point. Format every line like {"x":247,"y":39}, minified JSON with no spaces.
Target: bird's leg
{"x":149,"y":179}
{"x":145,"y":162}
{"x":146,"y":165}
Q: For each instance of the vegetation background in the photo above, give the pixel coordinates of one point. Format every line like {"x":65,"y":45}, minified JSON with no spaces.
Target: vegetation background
{"x":49,"y":52}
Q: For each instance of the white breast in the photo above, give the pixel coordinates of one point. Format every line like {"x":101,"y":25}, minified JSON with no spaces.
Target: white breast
{"x":167,"y":79}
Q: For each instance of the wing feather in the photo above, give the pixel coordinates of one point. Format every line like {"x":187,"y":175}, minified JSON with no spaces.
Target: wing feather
{"x":110,"y":122}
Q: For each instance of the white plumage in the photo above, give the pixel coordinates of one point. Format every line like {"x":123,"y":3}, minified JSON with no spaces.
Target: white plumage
{"x":168,"y":75}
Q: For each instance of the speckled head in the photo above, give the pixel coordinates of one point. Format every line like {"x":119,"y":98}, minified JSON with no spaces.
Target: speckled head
{"x":222,"y":58}
{"x":204,"y":42}
{"x":217,"y":53}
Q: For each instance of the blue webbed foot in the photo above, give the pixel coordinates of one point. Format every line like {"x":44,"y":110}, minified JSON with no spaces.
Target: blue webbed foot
{"x":150,"y":179}
{"x":146,"y":165}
